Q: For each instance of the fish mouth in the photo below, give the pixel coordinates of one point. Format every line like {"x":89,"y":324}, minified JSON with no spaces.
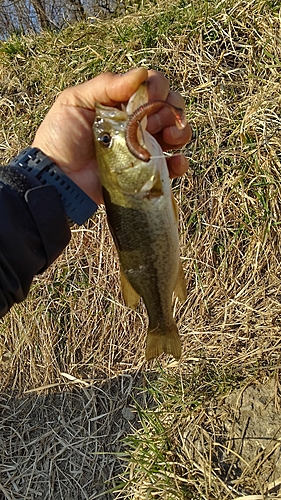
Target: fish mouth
{"x":108,"y":113}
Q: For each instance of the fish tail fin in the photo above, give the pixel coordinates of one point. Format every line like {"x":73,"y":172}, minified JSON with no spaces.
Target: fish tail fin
{"x":161,"y":340}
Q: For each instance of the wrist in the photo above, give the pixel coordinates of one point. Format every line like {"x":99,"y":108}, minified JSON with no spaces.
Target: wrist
{"x":77,"y":205}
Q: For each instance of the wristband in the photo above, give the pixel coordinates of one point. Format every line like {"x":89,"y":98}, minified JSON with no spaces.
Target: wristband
{"x":78,"y":206}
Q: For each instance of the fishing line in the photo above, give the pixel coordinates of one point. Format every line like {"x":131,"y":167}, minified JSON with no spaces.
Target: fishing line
{"x":169,"y":155}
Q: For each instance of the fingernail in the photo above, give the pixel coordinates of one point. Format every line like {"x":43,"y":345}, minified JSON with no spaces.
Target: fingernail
{"x":184,"y":162}
{"x":134,"y":70}
{"x":176,"y":133}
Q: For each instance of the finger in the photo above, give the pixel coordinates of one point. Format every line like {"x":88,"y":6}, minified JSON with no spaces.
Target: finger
{"x":162,"y":125}
{"x":107,"y":89}
{"x":172,"y":135}
{"x":173,"y":138}
{"x":157,"y":85}
{"x":178,"y":165}
{"x":165,"y":117}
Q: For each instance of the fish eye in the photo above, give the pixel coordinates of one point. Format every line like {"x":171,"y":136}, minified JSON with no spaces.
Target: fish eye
{"x":105,"y":139}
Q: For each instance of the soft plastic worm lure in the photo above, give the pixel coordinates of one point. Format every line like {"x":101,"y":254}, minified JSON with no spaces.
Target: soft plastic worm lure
{"x":133,"y":123}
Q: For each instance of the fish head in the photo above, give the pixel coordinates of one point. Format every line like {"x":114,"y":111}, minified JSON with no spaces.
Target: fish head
{"x":109,"y":135}
{"x":121,"y":173}
{"x":109,"y":130}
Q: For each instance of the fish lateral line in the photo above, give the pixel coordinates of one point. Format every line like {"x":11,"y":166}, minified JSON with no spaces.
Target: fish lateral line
{"x":134,"y":122}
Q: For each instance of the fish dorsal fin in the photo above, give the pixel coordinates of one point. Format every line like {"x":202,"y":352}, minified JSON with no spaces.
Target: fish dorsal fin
{"x":131,"y":297}
{"x":180,"y":288}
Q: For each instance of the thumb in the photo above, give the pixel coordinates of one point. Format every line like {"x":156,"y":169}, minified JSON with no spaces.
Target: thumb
{"x":107,"y":89}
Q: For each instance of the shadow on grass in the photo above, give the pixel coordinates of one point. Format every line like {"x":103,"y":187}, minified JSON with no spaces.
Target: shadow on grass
{"x":68,"y":444}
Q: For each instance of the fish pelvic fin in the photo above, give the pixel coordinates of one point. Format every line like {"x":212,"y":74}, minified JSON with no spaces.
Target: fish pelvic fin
{"x":131,"y":297}
{"x":175,"y":208}
{"x":161,"y":340}
{"x":180,"y":288}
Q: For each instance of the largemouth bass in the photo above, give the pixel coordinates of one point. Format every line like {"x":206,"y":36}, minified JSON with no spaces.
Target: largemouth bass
{"x":142,"y":217}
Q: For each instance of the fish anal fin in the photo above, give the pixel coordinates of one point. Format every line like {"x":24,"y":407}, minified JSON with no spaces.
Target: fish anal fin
{"x":180,"y":288}
{"x":163,"y":340}
{"x":131,"y":297}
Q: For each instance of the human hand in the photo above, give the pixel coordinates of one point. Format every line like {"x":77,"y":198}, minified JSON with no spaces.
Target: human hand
{"x":66,"y":134}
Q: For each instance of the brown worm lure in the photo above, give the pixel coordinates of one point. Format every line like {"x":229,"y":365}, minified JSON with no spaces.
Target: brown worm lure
{"x":133,"y":123}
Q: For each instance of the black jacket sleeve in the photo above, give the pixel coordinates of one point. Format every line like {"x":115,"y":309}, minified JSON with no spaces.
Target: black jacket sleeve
{"x":33,"y":232}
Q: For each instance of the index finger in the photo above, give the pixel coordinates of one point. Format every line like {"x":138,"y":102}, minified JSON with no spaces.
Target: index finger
{"x":158,"y":86}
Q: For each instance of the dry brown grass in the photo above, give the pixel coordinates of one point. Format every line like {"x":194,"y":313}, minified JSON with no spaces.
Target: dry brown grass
{"x":72,"y":353}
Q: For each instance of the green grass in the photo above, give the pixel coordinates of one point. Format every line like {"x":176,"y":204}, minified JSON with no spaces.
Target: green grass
{"x":181,"y":400}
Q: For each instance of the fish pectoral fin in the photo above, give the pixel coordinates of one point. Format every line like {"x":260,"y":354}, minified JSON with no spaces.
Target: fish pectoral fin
{"x":161,"y":340}
{"x":157,"y":187}
{"x":131,"y":297}
{"x":180,"y":288}
{"x":153,"y":187}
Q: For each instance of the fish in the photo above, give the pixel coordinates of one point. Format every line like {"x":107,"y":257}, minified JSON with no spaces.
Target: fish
{"x":142,"y":216}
